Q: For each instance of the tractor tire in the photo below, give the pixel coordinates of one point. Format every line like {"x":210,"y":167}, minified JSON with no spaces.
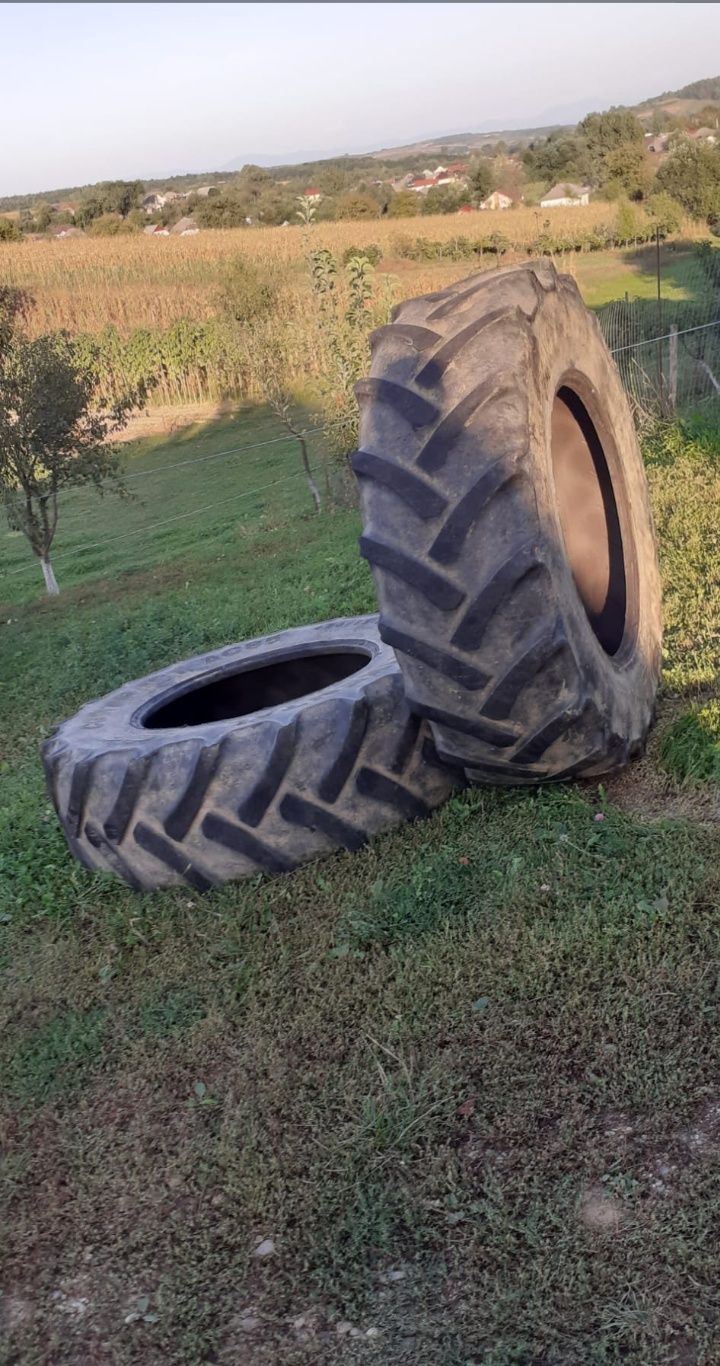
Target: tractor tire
{"x":251,"y":759}
{"x":507,"y":522}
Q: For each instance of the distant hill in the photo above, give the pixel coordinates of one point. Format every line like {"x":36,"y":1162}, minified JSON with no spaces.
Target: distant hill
{"x":688,"y":100}
{"x":463,"y":144}
{"x":707,"y":91}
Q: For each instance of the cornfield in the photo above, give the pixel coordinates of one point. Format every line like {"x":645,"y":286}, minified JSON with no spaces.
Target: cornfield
{"x":83,"y":284}
{"x":147,"y":306}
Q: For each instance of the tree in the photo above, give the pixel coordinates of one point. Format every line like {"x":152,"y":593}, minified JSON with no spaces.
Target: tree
{"x":603,"y":134}
{"x":445,"y":199}
{"x":691,"y":175}
{"x":111,"y":225}
{"x":626,"y":224}
{"x":481,"y":178}
{"x":356,"y":206}
{"x":665,"y":212}
{"x":9,"y":230}
{"x":252,"y":182}
{"x":624,"y":171}
{"x":557,"y":157}
{"x":52,"y":436}
{"x":404,"y":204}
{"x":120,"y":196}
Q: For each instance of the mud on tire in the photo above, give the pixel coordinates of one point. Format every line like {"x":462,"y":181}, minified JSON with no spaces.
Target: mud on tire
{"x":251,"y":759}
{"x":507,"y":523}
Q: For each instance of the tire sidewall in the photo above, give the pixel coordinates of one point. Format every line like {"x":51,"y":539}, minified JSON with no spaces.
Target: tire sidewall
{"x":569,"y":350}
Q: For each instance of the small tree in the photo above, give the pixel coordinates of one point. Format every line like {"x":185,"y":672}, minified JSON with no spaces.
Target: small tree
{"x":626,"y":223}
{"x":52,"y":437}
{"x":404,"y":204}
{"x":9,"y":231}
{"x":481,"y":180}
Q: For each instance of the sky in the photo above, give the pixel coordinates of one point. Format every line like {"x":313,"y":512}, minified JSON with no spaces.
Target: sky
{"x":125,"y":91}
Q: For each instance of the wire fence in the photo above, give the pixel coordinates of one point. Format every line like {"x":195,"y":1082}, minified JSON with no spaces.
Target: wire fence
{"x":667,"y":347}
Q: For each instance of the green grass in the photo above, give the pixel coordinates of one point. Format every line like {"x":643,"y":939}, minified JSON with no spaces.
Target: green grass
{"x":690,"y":749}
{"x":422,"y":1059}
{"x":208,"y":486}
{"x":605,"y":276}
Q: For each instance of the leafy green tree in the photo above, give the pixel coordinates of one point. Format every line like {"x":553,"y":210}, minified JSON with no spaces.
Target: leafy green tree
{"x":556,"y":158}
{"x":43,"y":218}
{"x":624,"y":171}
{"x":53,"y":436}
{"x":626,"y":223}
{"x":334,"y":180}
{"x":404,"y":204}
{"x":356,"y":206}
{"x":252,"y":182}
{"x":217,"y":211}
{"x":665,"y":212}
{"x":691,"y":175}
{"x":480,"y":177}
{"x":9,"y":230}
{"x":111,"y":225}
{"x":445,"y":199}
{"x":603,"y":134}
{"x":120,"y":196}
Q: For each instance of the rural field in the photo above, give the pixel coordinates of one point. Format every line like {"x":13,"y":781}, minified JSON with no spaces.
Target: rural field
{"x":84,"y":284}
{"x":465,"y":1081}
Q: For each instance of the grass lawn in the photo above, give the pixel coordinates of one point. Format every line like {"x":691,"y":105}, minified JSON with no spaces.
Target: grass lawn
{"x":207,"y":484}
{"x":466,"y":1082}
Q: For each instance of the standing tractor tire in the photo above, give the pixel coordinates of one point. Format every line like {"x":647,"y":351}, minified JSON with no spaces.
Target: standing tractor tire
{"x":507,"y":522}
{"x":251,"y":759}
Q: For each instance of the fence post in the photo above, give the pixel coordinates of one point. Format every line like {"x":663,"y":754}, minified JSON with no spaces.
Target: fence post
{"x":661,"y":381}
{"x":673,"y":367}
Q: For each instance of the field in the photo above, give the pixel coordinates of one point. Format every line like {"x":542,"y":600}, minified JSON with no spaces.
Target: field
{"x":465,"y":1081}
{"x":84,"y":284}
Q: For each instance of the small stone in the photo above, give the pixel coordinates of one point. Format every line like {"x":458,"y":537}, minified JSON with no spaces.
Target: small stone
{"x":249,"y":1324}
{"x":394,"y":1275}
{"x":265,"y":1248}
{"x":343,"y":1329}
{"x":373,"y":1333}
{"x":355,"y":1333}
{"x":299,"y":1322}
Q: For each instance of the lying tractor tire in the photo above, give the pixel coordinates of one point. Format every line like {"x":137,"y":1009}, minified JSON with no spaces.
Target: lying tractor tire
{"x":252,"y":759}
{"x":507,"y":523}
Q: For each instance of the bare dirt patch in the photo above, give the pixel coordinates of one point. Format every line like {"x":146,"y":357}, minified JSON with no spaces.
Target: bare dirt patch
{"x":600,"y":1211}
{"x":166,"y":420}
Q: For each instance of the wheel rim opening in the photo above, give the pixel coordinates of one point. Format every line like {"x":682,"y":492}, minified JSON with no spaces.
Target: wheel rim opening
{"x":243,"y":691}
{"x":589,"y":518}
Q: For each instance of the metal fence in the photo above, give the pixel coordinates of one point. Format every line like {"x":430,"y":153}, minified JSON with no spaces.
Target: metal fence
{"x":667,"y":347}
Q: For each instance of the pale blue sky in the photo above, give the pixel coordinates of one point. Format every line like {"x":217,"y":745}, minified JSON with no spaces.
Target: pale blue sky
{"x":100,"y":91}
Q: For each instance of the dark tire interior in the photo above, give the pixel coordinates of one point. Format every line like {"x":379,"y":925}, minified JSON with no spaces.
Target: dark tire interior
{"x":589,"y":518}
{"x":253,"y":689}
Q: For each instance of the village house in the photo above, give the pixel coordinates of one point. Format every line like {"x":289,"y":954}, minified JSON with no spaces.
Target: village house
{"x":497,"y":200}
{"x":312,"y":195}
{"x":185,"y":227}
{"x":566,"y":195}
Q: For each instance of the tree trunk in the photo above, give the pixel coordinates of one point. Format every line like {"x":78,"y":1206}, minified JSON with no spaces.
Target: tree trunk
{"x":51,"y":582}
{"x":314,"y":490}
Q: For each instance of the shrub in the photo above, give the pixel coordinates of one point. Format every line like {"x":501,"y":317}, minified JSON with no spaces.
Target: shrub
{"x":372,"y":253}
{"x":247,"y":292}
